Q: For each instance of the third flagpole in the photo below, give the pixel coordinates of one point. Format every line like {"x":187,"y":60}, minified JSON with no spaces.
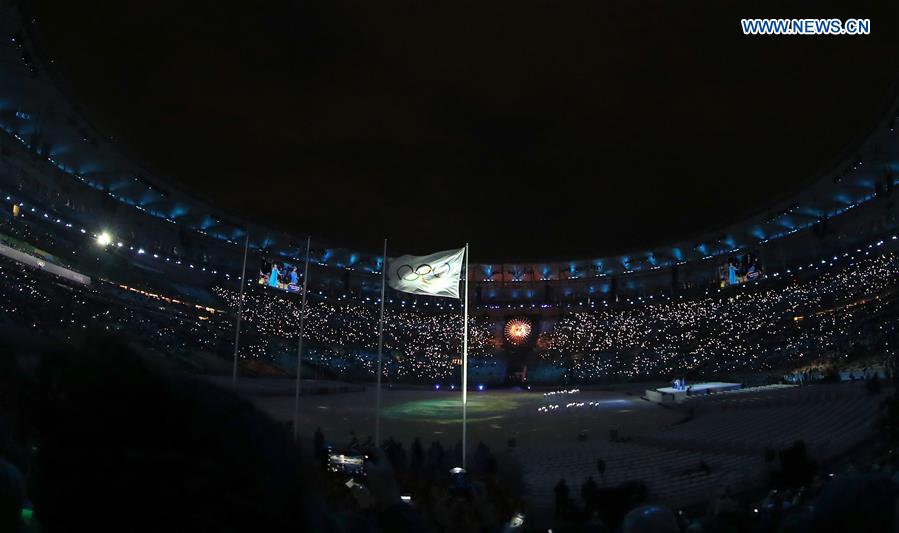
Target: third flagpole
{"x":243,"y":274}
{"x":465,"y":359}
{"x":380,"y":348}
{"x":296,"y":404}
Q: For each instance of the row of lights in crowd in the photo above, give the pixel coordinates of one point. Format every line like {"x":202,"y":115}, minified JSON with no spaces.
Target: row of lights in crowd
{"x":105,"y":239}
{"x":169,"y":299}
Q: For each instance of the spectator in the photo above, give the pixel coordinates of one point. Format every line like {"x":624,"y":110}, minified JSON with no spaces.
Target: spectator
{"x":589,"y":493}
{"x":561,"y":491}
{"x":436,"y":457}
{"x":601,"y":468}
{"x":417,"y":455}
{"x":856,"y":502}
{"x":318,"y":445}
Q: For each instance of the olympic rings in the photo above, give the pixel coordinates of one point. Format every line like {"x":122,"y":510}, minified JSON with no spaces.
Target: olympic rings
{"x":423,"y":272}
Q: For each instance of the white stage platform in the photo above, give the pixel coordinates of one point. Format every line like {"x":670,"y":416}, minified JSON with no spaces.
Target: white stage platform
{"x":672,"y":395}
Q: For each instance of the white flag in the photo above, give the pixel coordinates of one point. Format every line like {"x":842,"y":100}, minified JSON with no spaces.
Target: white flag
{"x":437,"y":274}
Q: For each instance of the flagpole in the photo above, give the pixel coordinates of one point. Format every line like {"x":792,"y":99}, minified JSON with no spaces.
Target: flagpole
{"x":380,"y":348}
{"x":465,"y":360}
{"x":296,"y":403}
{"x":243,"y":274}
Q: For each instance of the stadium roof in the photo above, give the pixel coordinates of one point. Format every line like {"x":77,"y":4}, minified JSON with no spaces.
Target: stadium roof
{"x":37,"y":108}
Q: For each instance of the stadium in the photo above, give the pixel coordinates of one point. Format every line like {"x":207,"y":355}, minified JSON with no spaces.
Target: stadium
{"x":239,"y":375}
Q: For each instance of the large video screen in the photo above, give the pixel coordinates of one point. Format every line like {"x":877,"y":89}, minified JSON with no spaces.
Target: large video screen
{"x":281,"y":275}
{"x":739,"y":269}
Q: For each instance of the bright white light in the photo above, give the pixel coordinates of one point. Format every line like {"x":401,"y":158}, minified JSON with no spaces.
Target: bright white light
{"x":103,"y":239}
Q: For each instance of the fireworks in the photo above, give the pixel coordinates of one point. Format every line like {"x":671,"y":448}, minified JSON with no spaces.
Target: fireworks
{"x":517,"y":331}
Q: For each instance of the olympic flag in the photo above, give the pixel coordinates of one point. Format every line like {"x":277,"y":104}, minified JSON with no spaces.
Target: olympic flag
{"x":437,"y":274}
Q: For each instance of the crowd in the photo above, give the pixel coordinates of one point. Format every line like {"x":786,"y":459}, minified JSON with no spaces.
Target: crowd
{"x":828,"y":315}
{"x":439,"y":494}
{"x":343,"y":336}
{"x":835,"y":313}
{"x":852,"y":500}
{"x":37,"y":305}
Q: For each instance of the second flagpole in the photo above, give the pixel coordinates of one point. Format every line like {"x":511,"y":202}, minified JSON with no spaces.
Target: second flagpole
{"x":465,"y":360}
{"x":296,"y":405}
{"x":243,"y":283}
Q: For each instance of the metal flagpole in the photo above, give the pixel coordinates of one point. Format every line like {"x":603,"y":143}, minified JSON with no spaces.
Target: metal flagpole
{"x":465,"y":360}
{"x":243,"y":274}
{"x":296,"y":403}
{"x":380,"y":348}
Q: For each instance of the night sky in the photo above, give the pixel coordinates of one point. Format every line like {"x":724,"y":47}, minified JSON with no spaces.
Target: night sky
{"x":534,"y":130}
